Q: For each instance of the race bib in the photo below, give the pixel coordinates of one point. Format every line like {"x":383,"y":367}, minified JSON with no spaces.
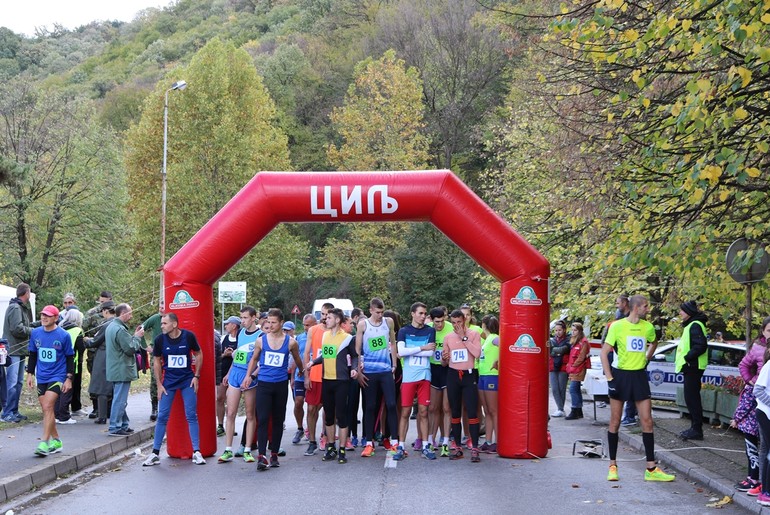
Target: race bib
{"x":418,"y":361}
{"x":635,"y":344}
{"x":377,"y":344}
{"x":177,"y":361}
{"x":459,"y":355}
{"x":274,"y":359}
{"x":47,"y":355}
{"x":437,"y":355}
{"x":329,"y":351}
{"x":240,"y":357}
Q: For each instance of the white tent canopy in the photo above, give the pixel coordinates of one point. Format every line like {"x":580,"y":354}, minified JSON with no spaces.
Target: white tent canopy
{"x":6,"y":294}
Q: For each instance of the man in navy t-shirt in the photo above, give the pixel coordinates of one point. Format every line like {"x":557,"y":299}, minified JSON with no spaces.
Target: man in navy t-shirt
{"x":174,"y":351}
{"x":51,"y":364}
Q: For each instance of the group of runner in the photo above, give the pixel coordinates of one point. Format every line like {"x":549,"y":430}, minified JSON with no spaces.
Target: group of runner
{"x":334,"y":361}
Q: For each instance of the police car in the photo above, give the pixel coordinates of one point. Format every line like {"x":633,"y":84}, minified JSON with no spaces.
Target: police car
{"x":723,"y":360}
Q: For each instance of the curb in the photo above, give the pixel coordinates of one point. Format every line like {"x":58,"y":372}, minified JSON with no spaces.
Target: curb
{"x":693,"y":472}
{"x":44,"y":473}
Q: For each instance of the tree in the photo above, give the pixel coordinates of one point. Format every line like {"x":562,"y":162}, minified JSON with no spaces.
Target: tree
{"x":62,"y":193}
{"x":382,"y":119}
{"x":221,"y":131}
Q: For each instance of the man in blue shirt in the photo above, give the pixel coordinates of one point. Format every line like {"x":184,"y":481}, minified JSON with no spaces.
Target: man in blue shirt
{"x":51,"y":365}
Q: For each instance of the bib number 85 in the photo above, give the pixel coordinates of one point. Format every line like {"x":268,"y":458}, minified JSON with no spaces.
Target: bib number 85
{"x":635,"y":344}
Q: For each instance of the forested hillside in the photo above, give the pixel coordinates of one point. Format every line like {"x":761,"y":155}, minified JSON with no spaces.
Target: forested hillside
{"x":627,"y":142}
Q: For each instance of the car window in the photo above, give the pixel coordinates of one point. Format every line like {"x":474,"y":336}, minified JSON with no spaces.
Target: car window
{"x":669,"y":354}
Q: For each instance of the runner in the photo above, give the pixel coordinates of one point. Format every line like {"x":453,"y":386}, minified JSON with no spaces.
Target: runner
{"x":313,"y":379}
{"x":340,"y":365}
{"x":298,"y":383}
{"x":438,"y":410}
{"x":416,"y":343}
{"x":228,"y":345}
{"x":633,"y":341}
{"x":51,"y":365}
{"x":376,"y":368}
{"x":239,"y":383}
{"x":271,"y":352}
{"x":488,"y":374}
{"x":174,"y":352}
{"x":461,"y":348}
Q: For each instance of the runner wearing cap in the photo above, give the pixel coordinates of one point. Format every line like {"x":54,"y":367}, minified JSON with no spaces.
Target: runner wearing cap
{"x":51,"y":365}
{"x":227,"y":346}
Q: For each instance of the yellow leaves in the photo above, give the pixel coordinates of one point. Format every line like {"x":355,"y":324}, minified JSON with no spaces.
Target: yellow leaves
{"x":740,"y":113}
{"x":763,"y":146}
{"x":636,"y":77}
{"x":697,"y":195}
{"x":646,"y":102}
{"x":753,"y":172}
{"x":743,"y":73}
{"x":766,"y":18}
{"x":676,"y":109}
{"x":723,"y":195}
{"x":697,"y":47}
{"x":671,"y":23}
{"x":764,"y":53}
{"x":610,"y":117}
{"x":704,"y":85}
{"x":686,"y":24}
{"x":631,"y":35}
{"x":711,"y":173}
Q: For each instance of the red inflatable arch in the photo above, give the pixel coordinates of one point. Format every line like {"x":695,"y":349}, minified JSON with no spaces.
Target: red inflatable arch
{"x":436,"y":196}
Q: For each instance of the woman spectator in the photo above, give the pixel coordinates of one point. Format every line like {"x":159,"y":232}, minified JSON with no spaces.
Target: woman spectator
{"x":72,"y":322}
{"x":488,"y":373}
{"x":745,"y":417}
{"x":578,"y":363}
{"x":558,"y":351}
{"x":762,"y":394}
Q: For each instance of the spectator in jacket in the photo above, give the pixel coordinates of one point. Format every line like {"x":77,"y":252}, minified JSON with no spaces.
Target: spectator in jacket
{"x":17,"y":327}
{"x":558,"y":352}
{"x":99,"y":389}
{"x":121,"y":366}
{"x":691,"y":361}
{"x":71,"y":321}
{"x":576,"y":367}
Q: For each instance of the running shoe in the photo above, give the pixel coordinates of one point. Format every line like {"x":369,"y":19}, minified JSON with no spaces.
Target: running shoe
{"x":42,"y":449}
{"x":297,"y":436}
{"x":274,"y":461}
{"x":343,"y":458}
{"x":612,"y":474}
{"x":152,"y":459}
{"x":746,"y":485}
{"x":307,"y":435}
{"x":323,"y":441}
{"x":239,"y":452}
{"x":262,"y":464}
{"x":368,"y":451}
{"x":417,"y":445}
{"x":484,"y":447}
{"x":452,"y":445}
{"x":457,"y":454}
{"x":445,"y":451}
{"x":220,"y":430}
{"x":281,"y":451}
{"x":469,"y":444}
{"x":226,"y":457}
{"x":349,"y":445}
{"x":355,"y":442}
{"x":475,"y":458}
{"x":428,"y":454}
{"x":68,"y":421}
{"x":399,"y":454}
{"x":312,"y":447}
{"x":330,"y":454}
{"x":464,"y":440}
{"x":763,"y":499}
{"x":657,"y":475}
{"x":248,"y":457}
{"x":386,"y":443}
{"x":558,"y":413}
{"x":755,"y":491}
{"x":54,"y":446}
{"x":492,"y":449}
{"x":198,"y":458}
{"x":628,"y":422}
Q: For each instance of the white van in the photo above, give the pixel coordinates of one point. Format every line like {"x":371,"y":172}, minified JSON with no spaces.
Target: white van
{"x":346,"y":305}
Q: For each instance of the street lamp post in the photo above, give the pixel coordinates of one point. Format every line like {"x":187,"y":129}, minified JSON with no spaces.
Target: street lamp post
{"x":178,"y":85}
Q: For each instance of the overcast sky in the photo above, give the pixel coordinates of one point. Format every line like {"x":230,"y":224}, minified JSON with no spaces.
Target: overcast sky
{"x":22,"y":16}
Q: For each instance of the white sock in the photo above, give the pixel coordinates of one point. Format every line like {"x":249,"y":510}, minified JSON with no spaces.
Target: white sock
{"x":402,"y":444}
{"x":430,"y":439}
{"x":445,"y":441}
{"x":424,"y":445}
{"x":228,"y":449}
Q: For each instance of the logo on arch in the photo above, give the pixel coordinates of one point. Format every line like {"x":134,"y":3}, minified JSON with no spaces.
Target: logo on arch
{"x":526,"y":297}
{"x":526,"y":344}
{"x":183,"y":300}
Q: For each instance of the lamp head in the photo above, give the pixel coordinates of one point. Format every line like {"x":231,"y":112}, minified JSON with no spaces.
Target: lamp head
{"x":180,"y":84}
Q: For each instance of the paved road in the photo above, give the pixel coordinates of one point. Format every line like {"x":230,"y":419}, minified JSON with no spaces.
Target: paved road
{"x":560,"y":483}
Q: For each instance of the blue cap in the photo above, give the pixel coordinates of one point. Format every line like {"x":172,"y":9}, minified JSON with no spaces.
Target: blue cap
{"x":289,"y":326}
{"x":233,"y":320}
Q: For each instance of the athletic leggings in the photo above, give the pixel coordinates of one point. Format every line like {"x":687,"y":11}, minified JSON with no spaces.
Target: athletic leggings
{"x":752,"y":453}
{"x":354,"y":397}
{"x":271,"y":402}
{"x":462,"y":387}
{"x":380,"y":383}
{"x":334,"y":396}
